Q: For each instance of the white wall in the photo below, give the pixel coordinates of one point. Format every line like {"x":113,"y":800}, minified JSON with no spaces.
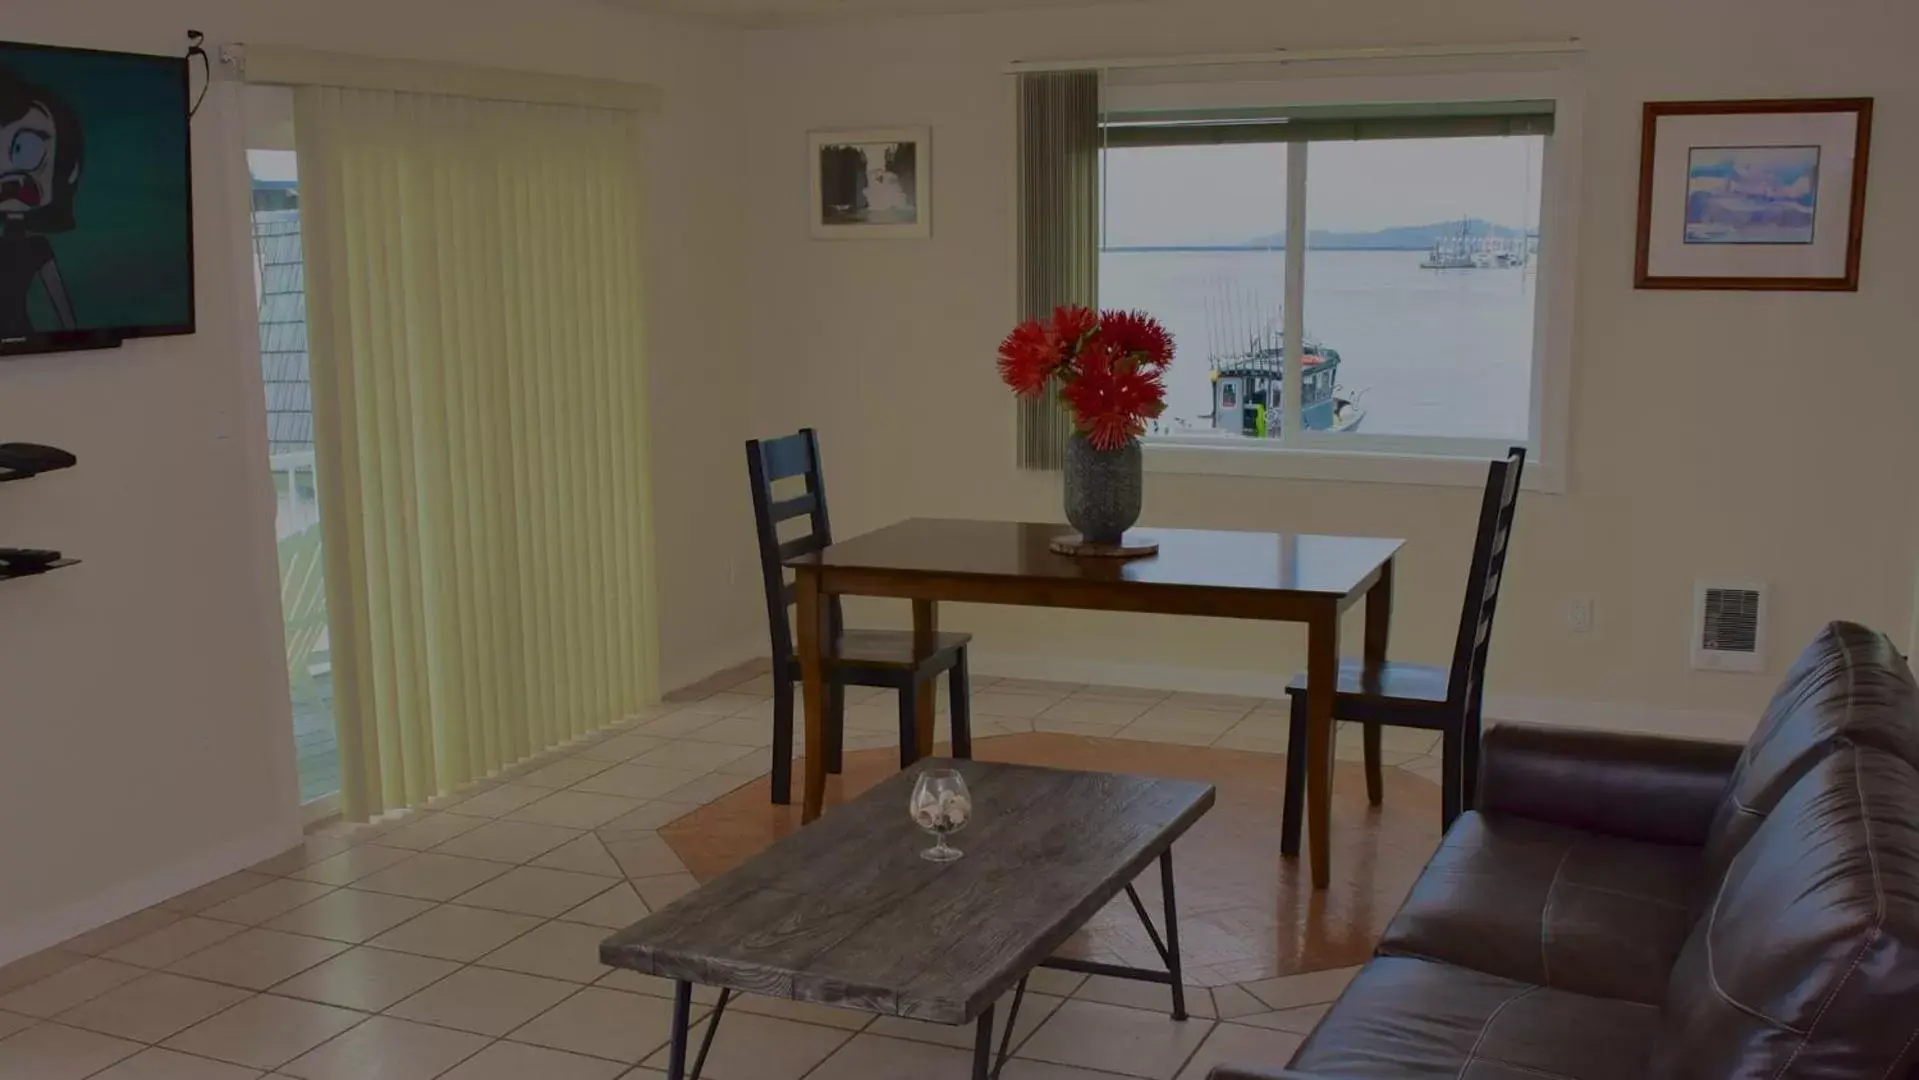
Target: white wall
{"x":145,"y":733}
{"x":1750,"y":436}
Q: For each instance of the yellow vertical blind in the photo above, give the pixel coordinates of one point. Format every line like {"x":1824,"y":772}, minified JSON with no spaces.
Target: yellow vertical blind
{"x":473,"y":289}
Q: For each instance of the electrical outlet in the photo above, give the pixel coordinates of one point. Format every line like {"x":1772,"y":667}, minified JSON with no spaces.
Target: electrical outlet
{"x":1579,"y":615}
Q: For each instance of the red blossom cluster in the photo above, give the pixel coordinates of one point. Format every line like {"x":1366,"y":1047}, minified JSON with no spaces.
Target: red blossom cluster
{"x":1110,"y":367}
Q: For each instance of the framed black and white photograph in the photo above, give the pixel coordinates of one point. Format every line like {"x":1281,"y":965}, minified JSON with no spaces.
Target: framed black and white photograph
{"x":1753,"y":194}
{"x":873,"y":184}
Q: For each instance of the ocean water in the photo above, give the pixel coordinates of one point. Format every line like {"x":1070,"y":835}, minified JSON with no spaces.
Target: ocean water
{"x":1424,"y":352}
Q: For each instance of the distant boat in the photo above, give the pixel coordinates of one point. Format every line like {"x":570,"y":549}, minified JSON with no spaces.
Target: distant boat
{"x":1465,"y":251}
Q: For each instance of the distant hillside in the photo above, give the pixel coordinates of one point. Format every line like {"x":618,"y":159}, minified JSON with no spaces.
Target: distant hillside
{"x":1395,"y":238}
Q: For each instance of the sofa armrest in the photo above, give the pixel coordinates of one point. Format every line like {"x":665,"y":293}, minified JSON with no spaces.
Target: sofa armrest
{"x":1641,"y":787}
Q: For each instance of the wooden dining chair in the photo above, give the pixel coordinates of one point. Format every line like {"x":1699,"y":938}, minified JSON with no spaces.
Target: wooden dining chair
{"x":1446,"y":700}
{"x":883,"y":658}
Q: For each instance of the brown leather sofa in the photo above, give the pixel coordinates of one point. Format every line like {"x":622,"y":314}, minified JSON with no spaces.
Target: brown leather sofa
{"x":1622,"y":907}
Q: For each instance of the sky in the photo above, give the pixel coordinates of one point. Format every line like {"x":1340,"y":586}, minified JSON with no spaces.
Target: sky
{"x":1230,"y":194}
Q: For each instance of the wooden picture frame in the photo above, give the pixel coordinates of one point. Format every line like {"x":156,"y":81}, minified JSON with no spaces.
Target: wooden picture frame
{"x":1755,"y":195}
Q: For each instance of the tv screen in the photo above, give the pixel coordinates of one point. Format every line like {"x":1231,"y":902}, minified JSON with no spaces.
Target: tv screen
{"x":96,"y":198}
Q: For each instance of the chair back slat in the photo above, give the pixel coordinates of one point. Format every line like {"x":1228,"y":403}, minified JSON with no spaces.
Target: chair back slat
{"x":769,"y":461}
{"x":1490,"y":546}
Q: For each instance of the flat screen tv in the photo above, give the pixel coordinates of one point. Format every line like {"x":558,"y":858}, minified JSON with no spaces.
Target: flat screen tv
{"x":96,"y":198}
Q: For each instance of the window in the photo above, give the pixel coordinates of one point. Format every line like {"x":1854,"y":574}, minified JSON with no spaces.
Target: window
{"x":1419,"y":329}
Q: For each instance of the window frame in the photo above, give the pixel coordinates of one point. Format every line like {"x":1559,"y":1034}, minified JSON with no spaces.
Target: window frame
{"x":1370,"y":457}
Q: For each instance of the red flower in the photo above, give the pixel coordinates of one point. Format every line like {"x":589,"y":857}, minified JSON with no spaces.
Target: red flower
{"x":1110,"y":367}
{"x":1138,"y":335}
{"x":1028,"y":359}
{"x":1113,"y":396}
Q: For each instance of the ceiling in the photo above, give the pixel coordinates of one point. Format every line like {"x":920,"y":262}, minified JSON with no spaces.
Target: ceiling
{"x":779,"y":12}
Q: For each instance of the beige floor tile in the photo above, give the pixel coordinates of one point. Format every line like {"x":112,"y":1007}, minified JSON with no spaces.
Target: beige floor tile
{"x":152,"y":1007}
{"x":366,"y":979}
{"x":753,"y":1047}
{"x":556,"y":950}
{"x":1022,"y":1069}
{"x":678,"y":725}
{"x":1254,"y":735}
{"x":1313,"y":988}
{"x":517,"y":1061}
{"x":1151,"y":997}
{"x":484,"y":1000}
{"x":349,"y":915}
{"x":805,"y":1012}
{"x":453,"y":932}
{"x":663,"y":890}
{"x":352,"y":865}
{"x":533,"y":890}
{"x":707,"y":788}
{"x":1116,"y":1039}
{"x":1123,"y":693}
{"x":692,"y":756}
{"x":575,"y":809}
{"x":1299,"y":1021}
{"x":49,"y":1051}
{"x":740,"y":731}
{"x":872,"y":1057}
{"x":1053,"y":982}
{"x":650,"y":817}
{"x":1078,"y":727}
{"x":635,"y":781}
{"x":587,"y":855}
{"x":1032,"y":1013}
{"x":1234,"y":1044}
{"x":12,"y":1022}
{"x":500,"y":800}
{"x":36,"y":966}
{"x":653,"y":986}
{"x":1232,"y":1001}
{"x":1214,"y":722}
{"x":257,"y":958}
{"x":1024,"y":706}
{"x":621,"y":747}
{"x":178,"y":940}
{"x":1233,"y":703}
{"x":267,"y":902}
{"x":565,"y":772}
{"x":388,"y":1049}
{"x":431,"y":830}
{"x":603,"y":1023}
{"x":614,"y":909}
{"x":508,"y":841}
{"x":645,"y":855}
{"x":120,"y":931}
{"x":877,"y":716}
{"x":1037,"y":686}
{"x":432,"y":876}
{"x":155,"y":1063}
{"x":213,"y":892}
{"x":265,"y":1031}
{"x":723,"y":704}
{"x":68,"y":987}
{"x":1173,"y":736}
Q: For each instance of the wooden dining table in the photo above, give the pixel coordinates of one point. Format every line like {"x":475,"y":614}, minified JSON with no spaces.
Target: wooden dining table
{"x":1276,"y":577}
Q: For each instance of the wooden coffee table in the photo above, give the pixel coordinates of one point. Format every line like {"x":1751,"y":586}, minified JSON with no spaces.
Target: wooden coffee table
{"x":845,"y":912}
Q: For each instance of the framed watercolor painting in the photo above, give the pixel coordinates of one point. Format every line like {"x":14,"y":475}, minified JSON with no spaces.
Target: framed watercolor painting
{"x":872,"y":185}
{"x":1753,"y":194}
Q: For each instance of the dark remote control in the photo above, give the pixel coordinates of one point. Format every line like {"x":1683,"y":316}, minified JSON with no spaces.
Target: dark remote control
{"x":27,"y":558}
{"x":33,"y":458}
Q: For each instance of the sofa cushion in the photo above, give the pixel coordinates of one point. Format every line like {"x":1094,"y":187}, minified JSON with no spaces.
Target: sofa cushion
{"x":1409,"y":1019}
{"x":1850,"y":684}
{"x":1806,"y":963}
{"x":1550,"y":905}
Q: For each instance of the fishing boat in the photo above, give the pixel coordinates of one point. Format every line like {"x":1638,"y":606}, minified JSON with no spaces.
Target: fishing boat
{"x":1464,"y":250}
{"x":1247,"y":390}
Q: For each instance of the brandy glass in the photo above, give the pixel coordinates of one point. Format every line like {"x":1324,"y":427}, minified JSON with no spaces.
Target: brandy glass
{"x":942,"y":806}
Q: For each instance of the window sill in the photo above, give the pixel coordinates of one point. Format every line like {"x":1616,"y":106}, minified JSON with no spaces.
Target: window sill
{"x":1294,"y":463}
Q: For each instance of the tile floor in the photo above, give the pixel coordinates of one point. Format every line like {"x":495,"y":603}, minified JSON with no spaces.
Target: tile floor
{"x":458,"y":941}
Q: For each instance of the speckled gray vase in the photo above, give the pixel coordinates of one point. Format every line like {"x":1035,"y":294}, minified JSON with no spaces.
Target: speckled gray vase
{"x":1103,"y":489}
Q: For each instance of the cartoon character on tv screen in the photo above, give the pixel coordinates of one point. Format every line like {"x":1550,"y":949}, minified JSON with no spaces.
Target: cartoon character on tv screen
{"x":41,"y":150}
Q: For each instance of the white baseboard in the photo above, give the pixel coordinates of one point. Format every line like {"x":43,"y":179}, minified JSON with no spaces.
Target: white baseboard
{"x":1556,"y":711}
{"x":51,"y":928}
